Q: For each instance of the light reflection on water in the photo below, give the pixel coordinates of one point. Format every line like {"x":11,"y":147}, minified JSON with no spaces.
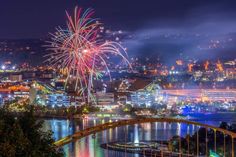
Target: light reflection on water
{"x":90,"y":147}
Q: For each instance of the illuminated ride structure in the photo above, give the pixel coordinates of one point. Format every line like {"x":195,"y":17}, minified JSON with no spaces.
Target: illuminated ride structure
{"x":228,"y":148}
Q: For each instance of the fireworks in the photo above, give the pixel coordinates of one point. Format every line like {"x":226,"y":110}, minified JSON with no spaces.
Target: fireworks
{"x":80,"y":49}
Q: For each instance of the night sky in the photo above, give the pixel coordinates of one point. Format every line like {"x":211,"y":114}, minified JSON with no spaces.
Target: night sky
{"x":199,"y":27}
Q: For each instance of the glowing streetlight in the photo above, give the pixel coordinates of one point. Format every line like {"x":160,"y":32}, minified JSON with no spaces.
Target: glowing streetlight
{"x":3,"y":67}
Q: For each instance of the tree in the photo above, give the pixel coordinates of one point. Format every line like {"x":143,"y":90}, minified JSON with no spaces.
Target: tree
{"x":23,"y":136}
{"x":224,"y":125}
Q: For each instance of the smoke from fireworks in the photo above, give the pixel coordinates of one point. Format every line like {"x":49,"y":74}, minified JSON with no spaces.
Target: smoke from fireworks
{"x":80,"y":49}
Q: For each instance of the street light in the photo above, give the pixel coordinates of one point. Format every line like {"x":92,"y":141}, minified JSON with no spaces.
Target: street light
{"x":3,"y":67}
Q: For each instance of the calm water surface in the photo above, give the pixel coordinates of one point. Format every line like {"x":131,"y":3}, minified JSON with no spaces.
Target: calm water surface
{"x":90,"y":147}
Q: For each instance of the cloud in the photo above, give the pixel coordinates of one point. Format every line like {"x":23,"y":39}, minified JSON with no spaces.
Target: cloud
{"x":197,"y":36}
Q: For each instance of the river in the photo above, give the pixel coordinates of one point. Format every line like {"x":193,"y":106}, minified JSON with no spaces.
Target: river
{"x":90,"y":147}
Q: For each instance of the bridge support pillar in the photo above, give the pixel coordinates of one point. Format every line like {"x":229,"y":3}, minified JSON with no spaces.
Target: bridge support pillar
{"x":107,"y":141}
{"x":94,"y":147}
{"x":197,"y":143}
{"x":180,"y":146}
{"x":224,"y":144}
{"x":126,"y":140}
{"x":206,"y":142}
{"x":232,"y":146}
{"x":215,"y":140}
{"x":188,"y":143}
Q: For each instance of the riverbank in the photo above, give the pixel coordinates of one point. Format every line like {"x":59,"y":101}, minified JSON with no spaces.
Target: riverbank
{"x":213,"y":117}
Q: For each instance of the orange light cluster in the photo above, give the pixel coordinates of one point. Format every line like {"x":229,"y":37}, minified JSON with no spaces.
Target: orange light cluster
{"x":19,"y":88}
{"x":190,"y":67}
{"x":219,"y":66}
{"x":206,"y":65}
{"x":179,"y":62}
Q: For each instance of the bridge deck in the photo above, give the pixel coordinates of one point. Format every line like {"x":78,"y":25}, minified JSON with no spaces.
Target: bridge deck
{"x":109,"y":125}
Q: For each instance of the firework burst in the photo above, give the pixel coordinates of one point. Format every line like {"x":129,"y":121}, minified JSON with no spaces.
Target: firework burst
{"x":80,"y":49}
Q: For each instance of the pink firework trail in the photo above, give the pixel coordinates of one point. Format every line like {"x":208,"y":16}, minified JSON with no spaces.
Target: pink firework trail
{"x":81,"y":50}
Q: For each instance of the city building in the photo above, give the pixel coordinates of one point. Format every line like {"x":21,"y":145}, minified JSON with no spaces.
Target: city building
{"x":105,"y":101}
{"x":147,"y":96}
{"x":15,"y":77}
{"x":57,"y":100}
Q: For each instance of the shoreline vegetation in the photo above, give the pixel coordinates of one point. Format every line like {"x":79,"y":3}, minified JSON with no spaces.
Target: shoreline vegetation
{"x":24,"y":136}
{"x":89,"y":111}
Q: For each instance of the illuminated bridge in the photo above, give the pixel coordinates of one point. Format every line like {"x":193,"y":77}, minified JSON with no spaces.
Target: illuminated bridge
{"x":227,"y":147}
